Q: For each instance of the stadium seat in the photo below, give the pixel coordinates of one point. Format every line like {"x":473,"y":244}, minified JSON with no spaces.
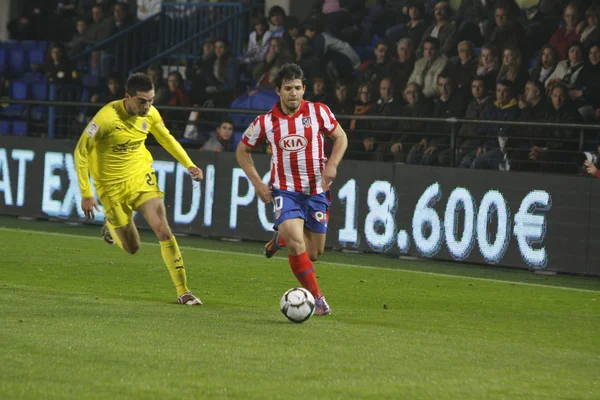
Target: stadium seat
{"x":9,"y":44}
{"x":39,"y":91}
{"x":16,"y":62}
{"x":4,"y":128}
{"x":263,"y":100}
{"x":18,"y":91}
{"x":19,"y":128}
{"x":36,"y":56}
{"x":2,"y":61}
{"x":90,"y":81}
{"x":29,"y":44}
{"x":32,"y":77}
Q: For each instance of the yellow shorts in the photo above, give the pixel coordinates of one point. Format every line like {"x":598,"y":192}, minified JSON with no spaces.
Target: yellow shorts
{"x":122,"y":199}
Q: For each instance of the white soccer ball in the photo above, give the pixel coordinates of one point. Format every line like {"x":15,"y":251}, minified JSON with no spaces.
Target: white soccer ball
{"x":297,"y":304}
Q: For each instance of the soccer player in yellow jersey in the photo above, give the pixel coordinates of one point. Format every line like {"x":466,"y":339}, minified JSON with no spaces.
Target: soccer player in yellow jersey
{"x":112,"y":151}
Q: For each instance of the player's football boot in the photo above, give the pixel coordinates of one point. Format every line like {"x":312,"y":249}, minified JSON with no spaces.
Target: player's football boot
{"x":321,"y":306}
{"x":106,"y":234}
{"x":272,"y":246}
{"x":189,"y":299}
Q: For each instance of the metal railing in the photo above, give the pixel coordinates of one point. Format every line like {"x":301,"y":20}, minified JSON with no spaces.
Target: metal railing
{"x":67,"y":119}
{"x":173,"y":34}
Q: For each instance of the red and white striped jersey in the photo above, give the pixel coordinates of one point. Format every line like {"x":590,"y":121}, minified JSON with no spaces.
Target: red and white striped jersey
{"x":296,"y":142}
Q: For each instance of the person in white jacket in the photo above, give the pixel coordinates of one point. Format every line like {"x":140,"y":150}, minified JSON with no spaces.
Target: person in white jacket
{"x":258,"y":42}
{"x":429,"y":67}
{"x":568,"y":70}
{"x":146,"y":8}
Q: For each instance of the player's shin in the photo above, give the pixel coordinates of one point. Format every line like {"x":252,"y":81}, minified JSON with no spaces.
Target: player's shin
{"x":113,"y":233}
{"x":305,"y":273}
{"x":169,"y":249}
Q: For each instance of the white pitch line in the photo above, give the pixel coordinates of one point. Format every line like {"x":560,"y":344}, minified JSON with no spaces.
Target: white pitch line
{"x":320,"y":262}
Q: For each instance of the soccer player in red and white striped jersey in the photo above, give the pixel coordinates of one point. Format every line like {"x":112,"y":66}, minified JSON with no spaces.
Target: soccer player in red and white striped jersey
{"x":300,"y":174}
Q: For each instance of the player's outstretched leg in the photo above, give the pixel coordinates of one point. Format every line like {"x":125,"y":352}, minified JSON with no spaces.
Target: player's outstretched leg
{"x":315,"y":246}
{"x":109,"y":234}
{"x":154,"y":213}
{"x":274,"y":245}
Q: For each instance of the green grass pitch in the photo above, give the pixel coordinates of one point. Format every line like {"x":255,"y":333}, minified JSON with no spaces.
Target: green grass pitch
{"x":82,"y":320}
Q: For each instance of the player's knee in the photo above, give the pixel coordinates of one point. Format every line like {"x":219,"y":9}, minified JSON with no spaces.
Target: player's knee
{"x":131,"y":248}
{"x":315,"y":255}
{"x":163,"y":232}
{"x":295,"y":246}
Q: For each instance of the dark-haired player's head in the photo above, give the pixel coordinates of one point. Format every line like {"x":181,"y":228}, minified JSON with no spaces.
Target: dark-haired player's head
{"x":290,"y":87}
{"x":139,"y":94}
{"x":225,"y":129}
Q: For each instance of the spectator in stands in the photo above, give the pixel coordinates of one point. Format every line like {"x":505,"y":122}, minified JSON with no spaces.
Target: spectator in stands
{"x":363,"y":105}
{"x":320,"y":89}
{"x":292,"y":26}
{"x":507,"y":32}
{"x":331,"y":54}
{"x":590,"y":34}
{"x":464,"y":66}
{"x":416,"y":106}
{"x":220,"y":140}
{"x":449,"y":104}
{"x":488,"y":67}
{"x":472,"y":14}
{"x":546,"y":63}
{"x":147,"y":8}
{"x":162,"y":94}
{"x":303,"y":56}
{"x":568,"y":70}
{"x":276,"y":18}
{"x":586,"y":91}
{"x":100,"y":28}
{"x":570,"y":32}
{"x":495,"y":142}
{"x":428,"y":68}
{"x":553,"y":153}
{"x":114,"y":90}
{"x":466,"y":141}
{"x":443,"y":29}
{"x":78,"y":42}
{"x":179,"y":97}
{"x":122,"y":19}
{"x":21,"y":28}
{"x":380,"y":131}
{"x":342,"y":104}
{"x":514,"y":70}
{"x":338,"y":21}
{"x":258,"y":44}
{"x":414,"y":29}
{"x":223,"y":81}
{"x":534,"y":108}
{"x":265,"y":72}
{"x":381,"y":67}
{"x":199,"y":71}
{"x":404,"y":65}
{"x":57,"y":67}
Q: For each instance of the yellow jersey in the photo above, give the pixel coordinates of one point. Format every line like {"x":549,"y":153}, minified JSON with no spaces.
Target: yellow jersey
{"x":112,"y":148}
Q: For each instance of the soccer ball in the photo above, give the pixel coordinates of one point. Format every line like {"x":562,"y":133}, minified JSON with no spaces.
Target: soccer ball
{"x":297,"y":304}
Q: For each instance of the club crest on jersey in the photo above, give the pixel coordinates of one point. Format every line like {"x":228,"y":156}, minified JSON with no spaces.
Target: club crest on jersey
{"x":293,"y":143}
{"x":306,"y":122}
{"x":320,"y":216}
{"x":92,"y":129}
{"x":145,"y":126}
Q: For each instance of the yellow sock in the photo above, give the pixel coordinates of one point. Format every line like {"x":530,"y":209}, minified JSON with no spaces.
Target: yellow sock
{"x":114,"y":235}
{"x":174,"y":262}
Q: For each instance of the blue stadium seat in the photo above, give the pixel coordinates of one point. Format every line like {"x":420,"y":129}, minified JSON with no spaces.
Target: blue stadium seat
{"x":32,"y":77}
{"x":42,"y":45}
{"x":9,"y":44}
{"x":16,"y":61}
{"x":4,"y":128}
{"x":36,"y":56}
{"x":29,"y":44}
{"x":39,"y":91}
{"x":263,"y":100}
{"x":19,"y":128}
{"x":18,"y":91}
{"x":90,"y":81}
{"x":2,"y":61}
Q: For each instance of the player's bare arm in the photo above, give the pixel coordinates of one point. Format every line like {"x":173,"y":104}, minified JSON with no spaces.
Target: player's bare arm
{"x":243,"y":154}
{"x":340,"y":144}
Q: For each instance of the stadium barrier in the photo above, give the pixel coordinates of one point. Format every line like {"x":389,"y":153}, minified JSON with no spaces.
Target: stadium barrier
{"x":524,"y":220}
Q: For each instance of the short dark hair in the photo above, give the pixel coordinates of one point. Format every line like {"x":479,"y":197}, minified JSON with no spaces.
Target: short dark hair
{"x":539,"y":85}
{"x":445,"y":75}
{"x":291,"y":23}
{"x":288,"y":72}
{"x":138,"y":82}
{"x":314,"y":25}
{"x":432,"y":40}
{"x":506,"y":83}
{"x":276,"y":10}
{"x":225,"y":120}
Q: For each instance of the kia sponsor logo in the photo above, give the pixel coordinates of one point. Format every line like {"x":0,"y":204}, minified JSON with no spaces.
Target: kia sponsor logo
{"x":293,"y":143}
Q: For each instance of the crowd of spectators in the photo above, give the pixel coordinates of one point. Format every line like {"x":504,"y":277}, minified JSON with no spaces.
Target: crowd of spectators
{"x":488,"y":59}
